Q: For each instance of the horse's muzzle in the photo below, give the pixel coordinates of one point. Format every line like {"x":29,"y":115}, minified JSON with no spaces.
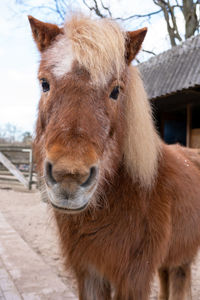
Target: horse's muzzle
{"x":70,"y":191}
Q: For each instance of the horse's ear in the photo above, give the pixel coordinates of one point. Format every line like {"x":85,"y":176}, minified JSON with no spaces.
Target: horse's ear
{"x":43,"y":33}
{"x":133,"y":43}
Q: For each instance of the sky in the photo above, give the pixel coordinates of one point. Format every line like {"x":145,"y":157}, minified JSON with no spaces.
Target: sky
{"x":19,"y":58}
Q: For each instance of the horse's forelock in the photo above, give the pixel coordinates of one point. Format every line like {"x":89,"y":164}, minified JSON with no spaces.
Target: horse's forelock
{"x":97,"y":45}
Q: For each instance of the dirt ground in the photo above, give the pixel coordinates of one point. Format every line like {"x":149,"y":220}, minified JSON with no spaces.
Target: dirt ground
{"x":31,"y":218}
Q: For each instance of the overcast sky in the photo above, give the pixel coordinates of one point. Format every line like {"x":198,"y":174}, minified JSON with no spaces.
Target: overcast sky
{"x":19,"y":58}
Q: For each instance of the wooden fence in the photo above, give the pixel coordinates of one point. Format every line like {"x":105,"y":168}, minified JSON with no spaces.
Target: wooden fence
{"x":16,"y":164}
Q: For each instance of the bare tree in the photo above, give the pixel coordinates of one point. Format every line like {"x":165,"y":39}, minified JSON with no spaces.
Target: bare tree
{"x":27,"y":138}
{"x":169,"y":8}
{"x":9,"y":133}
{"x":103,"y":11}
{"x":58,"y":9}
{"x":189,"y":10}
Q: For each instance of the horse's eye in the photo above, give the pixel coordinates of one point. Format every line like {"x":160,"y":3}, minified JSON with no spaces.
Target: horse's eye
{"x":115,"y":92}
{"x":45,"y":85}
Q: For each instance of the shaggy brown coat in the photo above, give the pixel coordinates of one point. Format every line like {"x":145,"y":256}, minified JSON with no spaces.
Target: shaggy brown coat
{"x":145,"y":213}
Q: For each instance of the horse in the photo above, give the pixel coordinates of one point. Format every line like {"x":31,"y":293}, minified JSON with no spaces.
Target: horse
{"x":126,"y":204}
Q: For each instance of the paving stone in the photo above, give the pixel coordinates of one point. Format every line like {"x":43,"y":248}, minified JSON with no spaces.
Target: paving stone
{"x":23,"y":273}
{"x":31,"y":296}
{"x":7,"y":287}
{"x":3,"y":273}
{"x":1,"y":294}
{"x":11,"y":295}
{"x":6,"y":284}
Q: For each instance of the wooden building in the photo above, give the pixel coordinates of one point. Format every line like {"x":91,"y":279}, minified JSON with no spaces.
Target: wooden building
{"x":172,"y":82}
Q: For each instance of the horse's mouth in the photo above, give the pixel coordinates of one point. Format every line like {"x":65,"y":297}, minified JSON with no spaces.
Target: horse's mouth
{"x":74,"y":204}
{"x":69,"y":210}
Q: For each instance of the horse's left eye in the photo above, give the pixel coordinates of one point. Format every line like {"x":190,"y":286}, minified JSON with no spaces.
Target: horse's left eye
{"x":115,"y":92}
{"x":45,"y":85}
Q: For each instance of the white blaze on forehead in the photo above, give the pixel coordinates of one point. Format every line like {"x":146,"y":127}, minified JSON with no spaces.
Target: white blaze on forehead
{"x":97,"y":45}
{"x":60,"y":56}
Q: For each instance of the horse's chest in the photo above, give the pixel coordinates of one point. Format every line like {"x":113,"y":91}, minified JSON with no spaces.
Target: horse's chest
{"x":103,"y":246}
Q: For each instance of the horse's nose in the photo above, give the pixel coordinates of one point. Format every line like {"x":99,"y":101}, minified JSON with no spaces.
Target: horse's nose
{"x":70,"y":180}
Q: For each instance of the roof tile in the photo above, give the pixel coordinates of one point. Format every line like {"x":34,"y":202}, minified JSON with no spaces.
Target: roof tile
{"x":173,"y":70}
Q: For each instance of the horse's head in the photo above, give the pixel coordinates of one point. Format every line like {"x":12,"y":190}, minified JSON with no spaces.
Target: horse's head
{"x":80,"y":126}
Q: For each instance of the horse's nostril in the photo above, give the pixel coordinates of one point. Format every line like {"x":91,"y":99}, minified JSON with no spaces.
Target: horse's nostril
{"x":48,"y":173}
{"x":91,"y":177}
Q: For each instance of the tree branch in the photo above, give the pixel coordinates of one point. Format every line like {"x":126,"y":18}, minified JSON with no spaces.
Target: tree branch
{"x":106,"y":8}
{"x":139,"y":16}
{"x":169,"y":15}
{"x":56,"y":2}
{"x":98,"y":12}
{"x":149,"y":52}
{"x":190,"y":16}
{"x":94,"y":8}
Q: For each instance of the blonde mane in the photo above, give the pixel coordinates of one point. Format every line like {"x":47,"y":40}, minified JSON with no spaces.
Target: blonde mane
{"x":142,"y":143}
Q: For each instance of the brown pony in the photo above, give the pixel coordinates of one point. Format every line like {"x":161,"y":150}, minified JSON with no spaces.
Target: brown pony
{"x":125,"y":203}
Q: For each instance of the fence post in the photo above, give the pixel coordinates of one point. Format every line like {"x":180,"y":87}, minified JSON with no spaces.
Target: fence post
{"x":30,"y":169}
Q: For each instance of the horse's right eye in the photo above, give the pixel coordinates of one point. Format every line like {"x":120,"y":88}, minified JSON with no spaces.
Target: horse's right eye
{"x":115,"y":92}
{"x":45,"y":85}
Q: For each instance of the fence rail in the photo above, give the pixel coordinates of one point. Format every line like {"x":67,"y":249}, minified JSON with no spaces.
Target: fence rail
{"x":16,"y":163}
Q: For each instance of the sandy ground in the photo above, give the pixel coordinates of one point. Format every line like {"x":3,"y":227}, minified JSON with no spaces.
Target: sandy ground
{"x":31,"y":218}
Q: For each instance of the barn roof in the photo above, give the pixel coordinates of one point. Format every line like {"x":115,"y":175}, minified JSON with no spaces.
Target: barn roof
{"x":173,"y":70}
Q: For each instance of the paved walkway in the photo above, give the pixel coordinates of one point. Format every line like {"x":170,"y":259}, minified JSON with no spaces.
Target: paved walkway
{"x":23,"y":273}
